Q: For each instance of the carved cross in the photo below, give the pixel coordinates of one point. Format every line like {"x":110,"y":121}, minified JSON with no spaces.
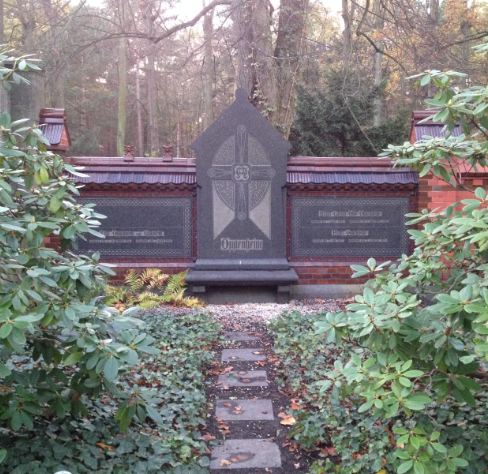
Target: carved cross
{"x":241,"y":172}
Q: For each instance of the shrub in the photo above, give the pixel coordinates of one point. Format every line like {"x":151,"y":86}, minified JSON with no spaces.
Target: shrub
{"x":58,"y":347}
{"x":170,"y":382}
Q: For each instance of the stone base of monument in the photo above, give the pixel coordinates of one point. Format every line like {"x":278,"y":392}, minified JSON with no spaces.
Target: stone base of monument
{"x":236,"y":284}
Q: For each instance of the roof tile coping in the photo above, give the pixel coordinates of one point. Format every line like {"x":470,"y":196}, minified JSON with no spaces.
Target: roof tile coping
{"x":140,"y":164}
{"x":295,"y":163}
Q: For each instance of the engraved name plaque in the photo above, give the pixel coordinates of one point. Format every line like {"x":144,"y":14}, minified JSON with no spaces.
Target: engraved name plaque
{"x":349,"y":226}
{"x":139,"y":226}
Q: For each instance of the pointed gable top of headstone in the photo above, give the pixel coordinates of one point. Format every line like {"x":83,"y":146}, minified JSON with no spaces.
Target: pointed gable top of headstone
{"x":241,"y":111}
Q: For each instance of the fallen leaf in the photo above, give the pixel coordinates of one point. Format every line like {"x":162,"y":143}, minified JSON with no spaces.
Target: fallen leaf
{"x":104,"y":446}
{"x":241,"y":457}
{"x":294,"y":405}
{"x":208,"y":437}
{"x":225,"y":462}
{"x":286,"y":420}
{"x":328,"y":451}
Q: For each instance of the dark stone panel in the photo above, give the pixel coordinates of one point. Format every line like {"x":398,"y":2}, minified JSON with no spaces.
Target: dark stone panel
{"x":142,"y":227}
{"x":241,"y":173}
{"x":349,"y":226}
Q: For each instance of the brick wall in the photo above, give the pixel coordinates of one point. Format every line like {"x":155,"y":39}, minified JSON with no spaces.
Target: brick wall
{"x":435,"y":193}
{"x":322,"y":273}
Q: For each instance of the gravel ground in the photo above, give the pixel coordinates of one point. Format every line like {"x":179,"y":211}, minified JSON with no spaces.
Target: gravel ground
{"x":250,"y":315}
{"x":258,"y":313}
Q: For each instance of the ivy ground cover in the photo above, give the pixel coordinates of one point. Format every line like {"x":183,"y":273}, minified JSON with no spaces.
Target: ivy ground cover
{"x":166,"y":438}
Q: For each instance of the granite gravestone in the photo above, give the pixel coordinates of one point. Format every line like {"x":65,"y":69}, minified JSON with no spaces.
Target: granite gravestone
{"x":329,"y":226}
{"x":141,"y":227}
{"x":241,"y":175}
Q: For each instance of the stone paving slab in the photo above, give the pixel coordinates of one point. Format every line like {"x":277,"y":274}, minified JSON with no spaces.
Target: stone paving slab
{"x":243,"y":355}
{"x":240,"y":336}
{"x":246,"y":453}
{"x":244,"y":378}
{"x":244,"y":410}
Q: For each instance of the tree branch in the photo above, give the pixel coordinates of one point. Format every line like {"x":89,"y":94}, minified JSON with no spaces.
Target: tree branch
{"x":192,"y":22}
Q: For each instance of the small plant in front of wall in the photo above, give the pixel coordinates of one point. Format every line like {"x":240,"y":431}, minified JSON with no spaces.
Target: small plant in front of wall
{"x":149,"y":289}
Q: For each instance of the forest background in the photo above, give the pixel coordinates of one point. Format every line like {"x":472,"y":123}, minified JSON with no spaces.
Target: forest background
{"x":332,"y":75}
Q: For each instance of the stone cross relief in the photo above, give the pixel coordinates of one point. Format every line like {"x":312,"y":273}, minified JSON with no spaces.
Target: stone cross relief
{"x":241,"y":175}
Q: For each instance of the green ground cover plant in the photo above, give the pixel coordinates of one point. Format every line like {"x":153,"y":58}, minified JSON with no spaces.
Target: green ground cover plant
{"x":167,"y":399}
{"x":405,"y":388}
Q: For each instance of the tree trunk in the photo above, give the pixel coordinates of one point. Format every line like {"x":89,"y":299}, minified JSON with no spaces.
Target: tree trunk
{"x":434,"y":11}
{"x":140,"y":129}
{"x":378,"y":23}
{"x":255,"y":64}
{"x":151,"y":89}
{"x":346,"y":33}
{"x":288,"y":51}
{"x":264,"y":87}
{"x":152,"y":120}
{"x":208,"y":71}
{"x":241,"y":16}
{"x":122,"y":95}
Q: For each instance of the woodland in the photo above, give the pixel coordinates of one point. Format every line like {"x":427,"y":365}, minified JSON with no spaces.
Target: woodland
{"x":332,"y":76}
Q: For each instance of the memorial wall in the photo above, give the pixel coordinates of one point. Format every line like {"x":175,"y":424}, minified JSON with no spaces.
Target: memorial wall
{"x":249,"y":206}
{"x":338,"y":211}
{"x":243,"y":213}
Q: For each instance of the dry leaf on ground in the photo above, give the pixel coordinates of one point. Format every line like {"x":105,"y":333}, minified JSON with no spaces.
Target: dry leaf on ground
{"x":286,"y":420}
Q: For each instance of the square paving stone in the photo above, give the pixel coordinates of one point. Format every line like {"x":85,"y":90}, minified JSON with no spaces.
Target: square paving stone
{"x":244,"y":378}
{"x":246,"y":454}
{"x":244,"y":410}
{"x":240,"y":336}
{"x":243,"y":355}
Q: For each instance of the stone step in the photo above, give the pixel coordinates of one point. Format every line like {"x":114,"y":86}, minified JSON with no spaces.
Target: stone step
{"x":246,"y":454}
{"x":238,"y":336}
{"x":243,"y":355}
{"x":244,"y":378}
{"x":244,"y":410}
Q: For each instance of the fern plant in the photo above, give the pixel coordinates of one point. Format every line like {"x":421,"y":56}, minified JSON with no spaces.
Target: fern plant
{"x":117,"y":295}
{"x":149,"y":289}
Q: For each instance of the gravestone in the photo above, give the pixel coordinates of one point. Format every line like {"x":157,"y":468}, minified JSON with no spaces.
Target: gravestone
{"x":241,"y":176}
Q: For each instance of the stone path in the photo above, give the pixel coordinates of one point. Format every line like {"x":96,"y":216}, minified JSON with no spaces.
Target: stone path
{"x":246,"y":406}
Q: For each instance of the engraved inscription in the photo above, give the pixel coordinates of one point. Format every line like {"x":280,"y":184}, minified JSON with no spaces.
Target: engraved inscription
{"x":343,"y":226}
{"x":159,"y":227}
{"x":246,"y":245}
